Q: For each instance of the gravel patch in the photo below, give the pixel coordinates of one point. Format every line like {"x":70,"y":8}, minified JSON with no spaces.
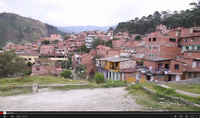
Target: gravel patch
{"x":100,"y":99}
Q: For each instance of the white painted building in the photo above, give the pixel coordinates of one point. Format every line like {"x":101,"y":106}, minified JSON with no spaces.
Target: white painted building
{"x":89,"y":40}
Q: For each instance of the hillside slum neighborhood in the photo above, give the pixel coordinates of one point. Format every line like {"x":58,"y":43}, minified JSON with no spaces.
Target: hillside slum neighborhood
{"x":163,"y":55}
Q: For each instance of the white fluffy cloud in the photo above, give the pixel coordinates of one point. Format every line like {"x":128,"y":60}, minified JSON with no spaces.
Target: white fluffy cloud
{"x":89,"y":12}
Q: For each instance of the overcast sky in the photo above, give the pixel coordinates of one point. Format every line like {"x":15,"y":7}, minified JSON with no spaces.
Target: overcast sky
{"x":89,"y":12}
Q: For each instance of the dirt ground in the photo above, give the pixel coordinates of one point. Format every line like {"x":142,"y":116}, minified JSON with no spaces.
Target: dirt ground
{"x":101,"y":99}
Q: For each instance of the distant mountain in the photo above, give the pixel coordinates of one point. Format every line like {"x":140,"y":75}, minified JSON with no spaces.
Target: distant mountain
{"x":78,"y":29}
{"x":20,"y":29}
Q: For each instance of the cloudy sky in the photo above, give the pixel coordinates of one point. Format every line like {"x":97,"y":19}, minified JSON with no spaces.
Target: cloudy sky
{"x":89,"y":12}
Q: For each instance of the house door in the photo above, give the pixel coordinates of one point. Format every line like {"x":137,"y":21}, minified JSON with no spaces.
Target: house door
{"x":148,"y":77}
{"x":178,"y":78}
{"x":169,"y":78}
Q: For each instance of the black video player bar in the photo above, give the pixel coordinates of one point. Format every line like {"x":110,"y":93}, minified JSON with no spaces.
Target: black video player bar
{"x":92,"y":114}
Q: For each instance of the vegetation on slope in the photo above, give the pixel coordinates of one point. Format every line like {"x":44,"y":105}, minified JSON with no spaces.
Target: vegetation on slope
{"x":146,"y":24}
{"x":19,"y":29}
{"x":158,"y":101}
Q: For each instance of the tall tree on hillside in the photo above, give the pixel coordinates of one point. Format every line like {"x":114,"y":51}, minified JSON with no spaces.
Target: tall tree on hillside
{"x":11,"y":64}
{"x":196,"y":4}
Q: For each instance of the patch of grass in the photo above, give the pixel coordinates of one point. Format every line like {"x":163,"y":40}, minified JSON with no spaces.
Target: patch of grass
{"x":29,"y":80}
{"x":157,"y":102}
{"x":193,"y":88}
{"x":10,"y":91}
{"x":110,"y":84}
{"x":69,"y":87}
{"x":161,"y":91}
{"x":171,"y":92}
{"x":11,"y":86}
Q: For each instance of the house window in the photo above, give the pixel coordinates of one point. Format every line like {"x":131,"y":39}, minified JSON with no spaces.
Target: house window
{"x":185,"y":40}
{"x":190,"y":47}
{"x":167,"y":66}
{"x":160,"y":66}
{"x":196,"y":31}
{"x":172,"y":39}
{"x":187,"y":47}
{"x":149,"y":39}
{"x":169,"y":78}
{"x":189,"y":75}
{"x":176,"y":66}
{"x":198,"y":47}
{"x":154,"y":39}
{"x":193,"y":47}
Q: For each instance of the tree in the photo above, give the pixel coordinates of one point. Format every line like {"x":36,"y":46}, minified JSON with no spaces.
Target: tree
{"x":196,"y":5}
{"x":186,"y":18}
{"x":83,"y":49}
{"x":45,"y":42}
{"x":66,"y":74}
{"x":116,"y":39}
{"x":80,"y":70}
{"x":67,"y":64}
{"x":97,"y":42}
{"x":11,"y":64}
{"x":110,"y":29}
{"x":138,"y":37}
{"x":66,"y":37}
{"x":108,"y":43}
{"x":99,"y":78}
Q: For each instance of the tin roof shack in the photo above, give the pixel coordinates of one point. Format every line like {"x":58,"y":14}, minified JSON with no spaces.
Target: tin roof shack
{"x":44,"y":66}
{"x":117,"y":68}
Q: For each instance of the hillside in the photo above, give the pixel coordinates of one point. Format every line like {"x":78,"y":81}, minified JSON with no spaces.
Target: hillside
{"x":20,"y":29}
{"x":78,"y":29}
{"x":146,"y":24}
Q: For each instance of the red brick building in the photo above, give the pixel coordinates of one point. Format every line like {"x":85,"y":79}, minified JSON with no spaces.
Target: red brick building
{"x":102,"y":50}
{"x":46,"y":67}
{"x":47,"y":50}
{"x":161,"y":45}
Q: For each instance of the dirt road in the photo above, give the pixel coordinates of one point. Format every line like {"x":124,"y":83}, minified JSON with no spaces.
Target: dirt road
{"x":101,"y":99}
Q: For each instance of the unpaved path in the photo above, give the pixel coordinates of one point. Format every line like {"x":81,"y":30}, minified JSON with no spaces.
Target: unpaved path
{"x":101,"y":99}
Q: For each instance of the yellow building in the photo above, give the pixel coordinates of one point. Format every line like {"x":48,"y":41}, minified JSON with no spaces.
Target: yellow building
{"x":117,"y":68}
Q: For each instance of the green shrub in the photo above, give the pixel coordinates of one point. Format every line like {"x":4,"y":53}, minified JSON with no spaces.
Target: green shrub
{"x":28,"y":72}
{"x":135,"y":87}
{"x":99,"y":78}
{"x":66,"y":74}
{"x":114,"y":84}
{"x":164,"y":91}
{"x":45,"y":42}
